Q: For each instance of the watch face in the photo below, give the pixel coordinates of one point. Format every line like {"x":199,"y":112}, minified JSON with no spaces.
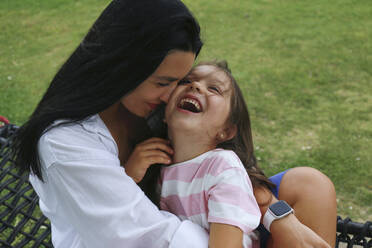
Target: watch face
{"x":279,"y":208}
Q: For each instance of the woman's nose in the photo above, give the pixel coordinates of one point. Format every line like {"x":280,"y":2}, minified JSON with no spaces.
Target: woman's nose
{"x":164,"y":97}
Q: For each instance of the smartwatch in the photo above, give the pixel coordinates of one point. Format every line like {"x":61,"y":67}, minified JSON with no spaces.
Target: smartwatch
{"x":276,"y":211}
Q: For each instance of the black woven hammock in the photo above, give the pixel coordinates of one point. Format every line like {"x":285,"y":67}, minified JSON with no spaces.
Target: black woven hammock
{"x":23,"y":225}
{"x":353,"y":234}
{"x":21,"y":222}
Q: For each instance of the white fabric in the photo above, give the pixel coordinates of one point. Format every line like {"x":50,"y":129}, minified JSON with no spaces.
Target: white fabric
{"x":92,"y":203}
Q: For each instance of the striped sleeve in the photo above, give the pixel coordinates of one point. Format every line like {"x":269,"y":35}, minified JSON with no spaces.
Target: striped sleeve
{"x":230,"y":196}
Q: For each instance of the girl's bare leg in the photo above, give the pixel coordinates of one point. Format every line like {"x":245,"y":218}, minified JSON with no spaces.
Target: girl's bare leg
{"x":312,"y":195}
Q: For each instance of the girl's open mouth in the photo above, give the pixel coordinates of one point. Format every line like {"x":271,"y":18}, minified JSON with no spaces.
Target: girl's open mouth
{"x":190,"y":104}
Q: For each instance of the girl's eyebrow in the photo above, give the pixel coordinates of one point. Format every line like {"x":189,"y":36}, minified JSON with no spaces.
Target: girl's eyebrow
{"x":217,"y":81}
{"x":213,"y":80}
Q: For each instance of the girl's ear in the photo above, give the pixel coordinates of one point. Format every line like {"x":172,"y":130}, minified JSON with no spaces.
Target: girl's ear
{"x":227,"y":134}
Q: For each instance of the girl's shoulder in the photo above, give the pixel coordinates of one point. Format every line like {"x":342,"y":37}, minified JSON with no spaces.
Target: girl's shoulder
{"x":228,"y":156}
{"x":220,"y":160}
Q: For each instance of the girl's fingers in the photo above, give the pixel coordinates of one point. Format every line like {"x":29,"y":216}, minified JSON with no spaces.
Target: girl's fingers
{"x":156,"y":146}
{"x":155,"y":153}
{"x":155,"y":139}
{"x":158,"y":160}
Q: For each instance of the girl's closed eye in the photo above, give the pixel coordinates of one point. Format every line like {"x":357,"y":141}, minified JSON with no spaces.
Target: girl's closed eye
{"x":184,"y":81}
{"x":214,"y":89}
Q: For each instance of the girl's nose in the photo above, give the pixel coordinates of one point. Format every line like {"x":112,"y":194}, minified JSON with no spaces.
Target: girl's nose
{"x":195,"y":86}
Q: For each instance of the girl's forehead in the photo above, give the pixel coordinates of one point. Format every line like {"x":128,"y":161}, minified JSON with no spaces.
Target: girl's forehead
{"x":210,"y":73}
{"x":204,"y":70}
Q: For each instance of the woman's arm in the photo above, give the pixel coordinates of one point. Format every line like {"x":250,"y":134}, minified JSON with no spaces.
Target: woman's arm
{"x":107,"y":209}
{"x":87,"y":192}
{"x":312,"y":196}
{"x":287,"y":232}
{"x":225,"y":236}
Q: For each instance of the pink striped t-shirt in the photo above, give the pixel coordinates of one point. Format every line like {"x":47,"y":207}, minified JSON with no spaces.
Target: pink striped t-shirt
{"x":213,"y":187}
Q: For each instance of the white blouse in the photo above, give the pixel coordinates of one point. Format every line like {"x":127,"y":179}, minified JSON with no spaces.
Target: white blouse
{"x":90,"y":200}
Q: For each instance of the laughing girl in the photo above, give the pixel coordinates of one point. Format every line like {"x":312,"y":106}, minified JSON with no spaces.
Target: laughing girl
{"x":214,"y":167}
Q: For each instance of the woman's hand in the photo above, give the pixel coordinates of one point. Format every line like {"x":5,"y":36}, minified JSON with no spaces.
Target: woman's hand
{"x":289,"y":232}
{"x":151,"y":151}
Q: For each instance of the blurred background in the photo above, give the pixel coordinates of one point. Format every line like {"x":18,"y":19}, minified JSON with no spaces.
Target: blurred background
{"x":305,"y":68}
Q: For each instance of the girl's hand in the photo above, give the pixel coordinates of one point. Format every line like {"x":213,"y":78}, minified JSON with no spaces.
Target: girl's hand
{"x":151,"y":151}
{"x":289,"y":232}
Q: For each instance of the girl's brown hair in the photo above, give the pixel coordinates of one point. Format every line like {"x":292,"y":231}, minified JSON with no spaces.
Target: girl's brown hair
{"x":242,"y":142}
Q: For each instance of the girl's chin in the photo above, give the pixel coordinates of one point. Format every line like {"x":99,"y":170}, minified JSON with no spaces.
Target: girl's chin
{"x":185,"y":128}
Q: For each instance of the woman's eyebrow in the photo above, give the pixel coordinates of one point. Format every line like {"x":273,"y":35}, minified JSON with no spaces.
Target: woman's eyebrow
{"x":167,"y":78}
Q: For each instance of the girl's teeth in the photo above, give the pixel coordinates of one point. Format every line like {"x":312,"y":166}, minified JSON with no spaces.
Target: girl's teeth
{"x":192,"y":101}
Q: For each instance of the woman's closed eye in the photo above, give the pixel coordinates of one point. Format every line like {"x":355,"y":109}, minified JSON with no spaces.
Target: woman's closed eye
{"x":162,"y":84}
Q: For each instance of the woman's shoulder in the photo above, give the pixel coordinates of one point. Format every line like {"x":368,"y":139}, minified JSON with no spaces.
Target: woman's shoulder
{"x":69,"y":133}
{"x":86,"y":139}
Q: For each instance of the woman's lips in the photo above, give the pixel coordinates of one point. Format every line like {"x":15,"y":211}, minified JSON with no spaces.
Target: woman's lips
{"x":153,"y":105}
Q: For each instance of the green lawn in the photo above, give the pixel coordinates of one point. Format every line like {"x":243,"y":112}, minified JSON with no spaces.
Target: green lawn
{"x":305,"y":68}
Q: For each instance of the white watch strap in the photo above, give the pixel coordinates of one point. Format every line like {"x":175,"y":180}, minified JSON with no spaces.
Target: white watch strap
{"x":268,"y":219}
{"x":269,"y":216}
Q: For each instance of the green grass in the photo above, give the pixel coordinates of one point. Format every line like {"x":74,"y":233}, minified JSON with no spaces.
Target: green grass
{"x":305,"y":68}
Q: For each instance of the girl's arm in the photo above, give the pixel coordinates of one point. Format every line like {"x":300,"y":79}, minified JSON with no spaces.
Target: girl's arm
{"x":149,"y":152}
{"x":225,"y":236}
{"x":232,"y":207}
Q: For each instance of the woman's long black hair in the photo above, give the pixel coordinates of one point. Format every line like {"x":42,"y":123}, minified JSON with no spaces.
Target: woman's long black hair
{"x":125,"y":45}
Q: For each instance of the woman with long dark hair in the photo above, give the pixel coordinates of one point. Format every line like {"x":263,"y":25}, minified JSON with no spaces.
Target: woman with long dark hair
{"x":91,"y":118}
